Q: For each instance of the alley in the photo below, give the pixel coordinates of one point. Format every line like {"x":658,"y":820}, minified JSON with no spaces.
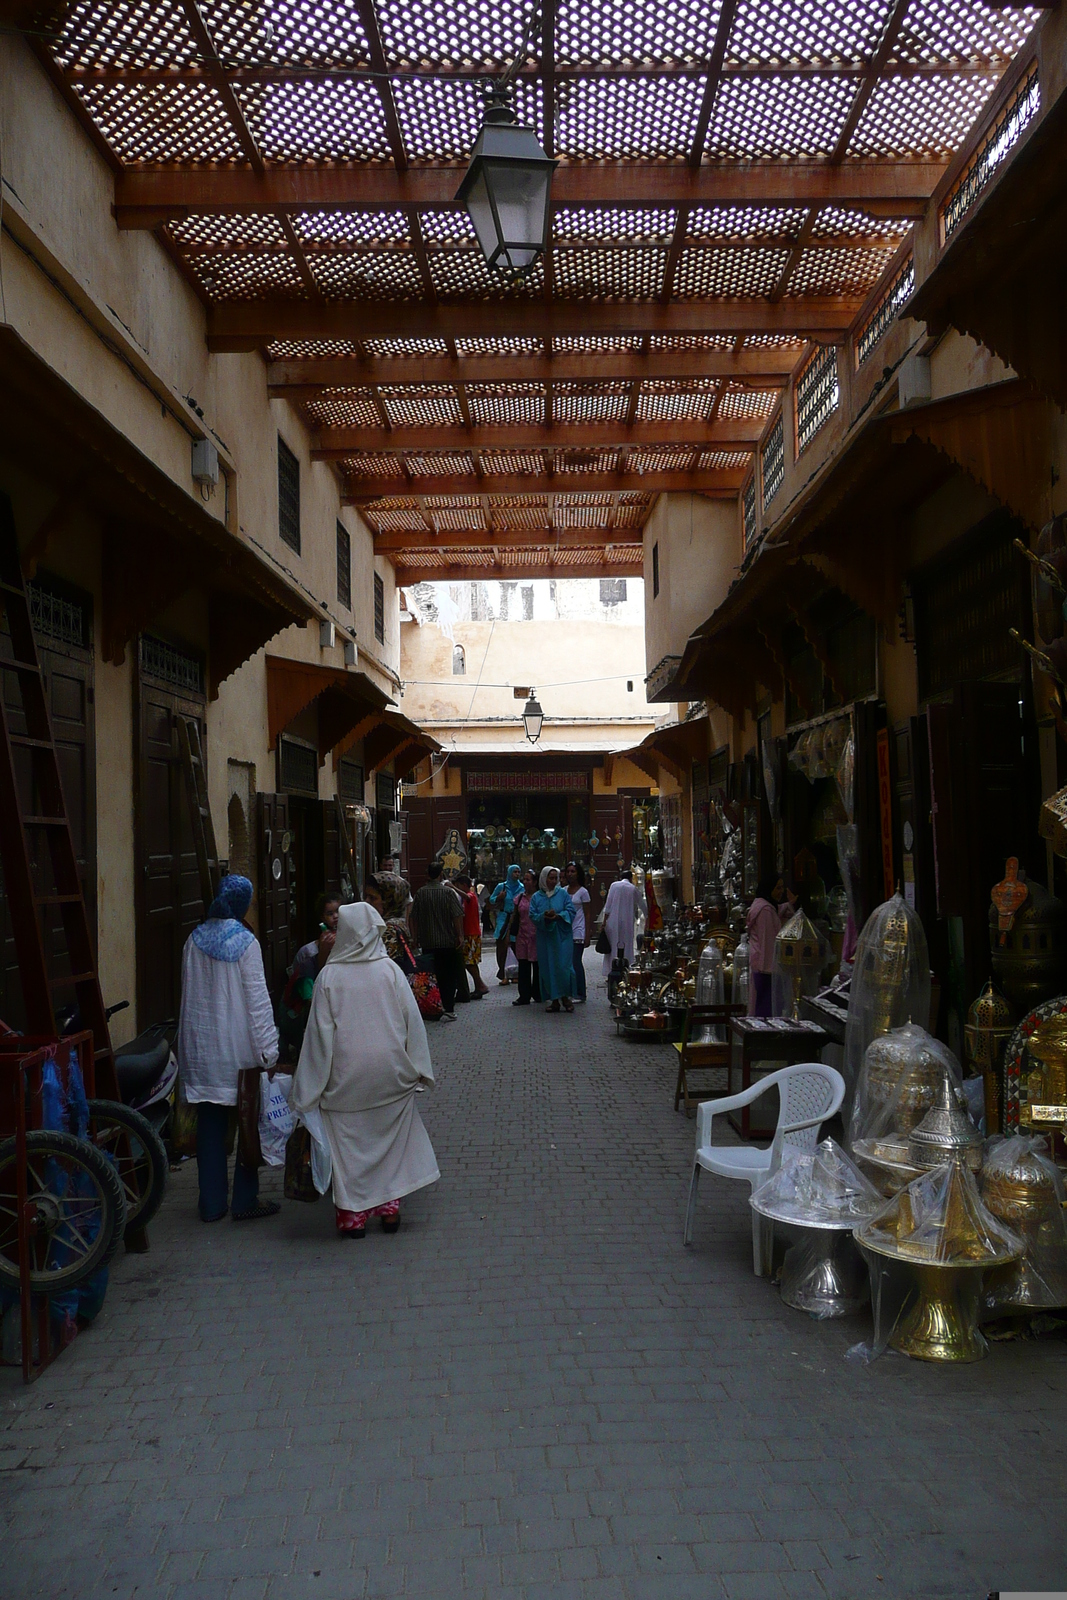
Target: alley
{"x":533,"y":1390}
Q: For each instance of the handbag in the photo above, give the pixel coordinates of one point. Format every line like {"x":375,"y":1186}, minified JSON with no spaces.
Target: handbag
{"x":249,"y":1153}
{"x":299,"y":1180}
{"x":427,"y":994}
{"x":603,"y":944}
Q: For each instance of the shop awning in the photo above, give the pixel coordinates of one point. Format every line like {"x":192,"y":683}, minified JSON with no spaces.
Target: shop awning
{"x":843,"y":531}
{"x":158,"y":540}
{"x":674,"y":747}
{"x":388,"y":736}
{"x":1002,"y":277}
{"x":346,"y":700}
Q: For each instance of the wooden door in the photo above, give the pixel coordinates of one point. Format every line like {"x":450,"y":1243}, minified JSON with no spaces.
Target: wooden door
{"x":331,"y":848}
{"x":419,"y":814}
{"x":169,"y":901}
{"x":275,"y":933}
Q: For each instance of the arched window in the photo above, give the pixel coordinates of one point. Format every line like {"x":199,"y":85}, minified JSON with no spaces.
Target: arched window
{"x":459,"y":661}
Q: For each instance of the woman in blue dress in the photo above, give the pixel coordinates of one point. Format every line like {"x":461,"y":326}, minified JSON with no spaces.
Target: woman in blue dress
{"x":502,"y":900}
{"x":552,"y":911}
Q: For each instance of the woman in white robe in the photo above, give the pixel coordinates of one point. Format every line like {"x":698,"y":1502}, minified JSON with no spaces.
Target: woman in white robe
{"x":363,"y":1059}
{"x":620,"y":914}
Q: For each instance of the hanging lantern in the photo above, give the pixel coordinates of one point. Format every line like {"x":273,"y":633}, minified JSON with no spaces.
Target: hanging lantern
{"x":532,"y":718}
{"x":506,"y":191}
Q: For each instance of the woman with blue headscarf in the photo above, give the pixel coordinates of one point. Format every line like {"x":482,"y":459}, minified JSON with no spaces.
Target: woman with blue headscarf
{"x":502,"y":901}
{"x":552,"y":912}
{"x":226,"y":1023}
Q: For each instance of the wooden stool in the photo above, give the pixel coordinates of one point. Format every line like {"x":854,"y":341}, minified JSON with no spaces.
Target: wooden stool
{"x":711,"y":1057}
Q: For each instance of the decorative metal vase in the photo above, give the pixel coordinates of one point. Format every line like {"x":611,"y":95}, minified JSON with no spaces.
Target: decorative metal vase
{"x":1021,"y":1189}
{"x":946,"y":1133}
{"x":1029,"y":956}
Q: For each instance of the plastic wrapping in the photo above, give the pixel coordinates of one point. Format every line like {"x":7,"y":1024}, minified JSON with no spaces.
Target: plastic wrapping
{"x":1024,"y":1190}
{"x":901,"y":1077}
{"x":800,"y":954}
{"x":924,"y":1250}
{"x":739,"y":988}
{"x":824,"y":1275}
{"x":939,"y":1219}
{"x":890,"y":981}
{"x":710,"y":990}
{"x":825,"y":1189}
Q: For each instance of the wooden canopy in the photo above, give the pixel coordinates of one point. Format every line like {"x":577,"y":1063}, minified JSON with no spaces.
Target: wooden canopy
{"x":732,"y":182}
{"x":344,"y":699}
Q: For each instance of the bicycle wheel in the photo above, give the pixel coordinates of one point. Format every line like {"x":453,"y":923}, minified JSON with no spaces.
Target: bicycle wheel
{"x":77,"y":1211}
{"x":136,"y":1151}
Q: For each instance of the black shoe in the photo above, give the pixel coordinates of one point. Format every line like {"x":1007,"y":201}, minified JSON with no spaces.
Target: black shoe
{"x":265,"y":1208}
{"x":520,"y":1002}
{"x":391,"y":1224}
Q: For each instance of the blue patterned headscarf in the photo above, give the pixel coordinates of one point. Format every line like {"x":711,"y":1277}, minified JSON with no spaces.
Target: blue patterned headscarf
{"x":222,"y":935}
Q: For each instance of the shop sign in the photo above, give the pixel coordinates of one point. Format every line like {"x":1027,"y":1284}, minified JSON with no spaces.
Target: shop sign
{"x":527,"y":782}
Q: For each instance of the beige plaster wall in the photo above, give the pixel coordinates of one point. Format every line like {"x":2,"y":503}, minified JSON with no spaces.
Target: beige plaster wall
{"x":699,"y":549}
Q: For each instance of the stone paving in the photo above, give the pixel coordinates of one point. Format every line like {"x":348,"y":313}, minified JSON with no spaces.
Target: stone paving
{"x":532,"y":1391}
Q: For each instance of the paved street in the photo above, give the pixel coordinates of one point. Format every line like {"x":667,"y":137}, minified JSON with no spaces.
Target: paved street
{"x":532,"y":1391}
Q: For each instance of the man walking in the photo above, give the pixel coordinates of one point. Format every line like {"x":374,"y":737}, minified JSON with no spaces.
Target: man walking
{"x":436,"y":921}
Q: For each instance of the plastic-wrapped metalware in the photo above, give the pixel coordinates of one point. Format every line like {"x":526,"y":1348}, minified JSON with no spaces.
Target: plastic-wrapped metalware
{"x":890,"y":980}
{"x":901,"y":1077}
{"x":1024,"y":1189}
{"x":800,"y":954}
{"x":822,"y":1190}
{"x":710,"y":989}
{"x":939,"y":1219}
{"x":739,"y":990}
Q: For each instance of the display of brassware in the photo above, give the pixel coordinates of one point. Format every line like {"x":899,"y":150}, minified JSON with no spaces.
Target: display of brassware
{"x":890,"y":980}
{"x":799,"y":957}
{"x":946,"y":1133}
{"x":901,"y":1079}
{"x":941,"y":1231}
{"x":1027,"y":940}
{"x":1018,"y":1063}
{"x":1021,"y":1186}
{"x":987,"y":1031}
{"x":1046,"y":1083}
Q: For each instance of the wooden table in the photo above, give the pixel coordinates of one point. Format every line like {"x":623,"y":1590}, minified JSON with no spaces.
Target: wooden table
{"x":760,"y":1045}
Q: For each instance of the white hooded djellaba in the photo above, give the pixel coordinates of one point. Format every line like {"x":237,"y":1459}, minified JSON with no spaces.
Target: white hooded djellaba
{"x":363,"y":1058}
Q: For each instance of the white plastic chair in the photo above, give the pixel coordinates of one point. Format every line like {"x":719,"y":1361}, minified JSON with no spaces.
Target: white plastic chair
{"x":809,"y":1093}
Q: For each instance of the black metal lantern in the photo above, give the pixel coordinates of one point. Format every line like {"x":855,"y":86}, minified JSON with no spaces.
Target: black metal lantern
{"x":532,"y":718}
{"x":506,"y":191}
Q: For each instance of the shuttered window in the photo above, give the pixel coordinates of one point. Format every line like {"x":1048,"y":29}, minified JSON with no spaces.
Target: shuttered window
{"x":344,"y":567}
{"x":379,"y":609}
{"x":288,"y":496}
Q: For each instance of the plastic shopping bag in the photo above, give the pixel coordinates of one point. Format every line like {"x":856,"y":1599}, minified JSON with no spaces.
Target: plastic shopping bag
{"x":276,"y":1121}
{"x":321,"y":1160}
{"x":511,"y":963}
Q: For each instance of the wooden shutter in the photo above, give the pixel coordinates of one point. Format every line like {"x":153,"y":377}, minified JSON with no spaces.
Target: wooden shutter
{"x":272,"y":823}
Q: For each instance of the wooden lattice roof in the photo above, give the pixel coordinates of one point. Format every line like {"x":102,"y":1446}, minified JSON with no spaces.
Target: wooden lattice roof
{"x":735,"y":176}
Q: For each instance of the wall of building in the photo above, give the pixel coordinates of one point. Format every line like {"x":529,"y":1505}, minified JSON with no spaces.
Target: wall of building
{"x":699,"y":552}
{"x":111,"y":315}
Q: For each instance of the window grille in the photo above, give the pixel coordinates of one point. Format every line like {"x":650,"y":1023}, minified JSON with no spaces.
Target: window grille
{"x":1000,"y":139}
{"x":57,"y":619}
{"x":161,"y":661}
{"x":385,"y":792}
{"x":350,"y":781}
{"x":612,"y":591}
{"x":299,"y":765}
{"x":344,"y":567}
{"x":817,"y":395}
{"x":886,"y":311}
{"x":772,"y":461}
{"x":379,"y":609}
{"x":288,"y":496}
{"x":749,"y":505}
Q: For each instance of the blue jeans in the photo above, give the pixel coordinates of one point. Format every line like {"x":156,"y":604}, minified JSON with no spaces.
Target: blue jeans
{"x":579,"y":969}
{"x":212,"y":1125}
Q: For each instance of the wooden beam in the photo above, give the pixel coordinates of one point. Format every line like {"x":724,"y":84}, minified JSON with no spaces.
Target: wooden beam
{"x":718,"y":483}
{"x":217,"y":73}
{"x":674,"y":254}
{"x":528,"y":566}
{"x":339,"y":72}
{"x":146,"y":196}
{"x":299,"y":255}
{"x":503,"y":538}
{"x":422,"y":260}
{"x":246,"y":325}
{"x":870,"y":78}
{"x":711,"y":86}
{"x":335,"y":444}
{"x":293,"y":379}
{"x":383,"y":83}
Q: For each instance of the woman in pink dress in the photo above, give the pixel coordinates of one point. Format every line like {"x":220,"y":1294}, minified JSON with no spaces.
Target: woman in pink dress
{"x":773,"y":905}
{"x":526,"y":943}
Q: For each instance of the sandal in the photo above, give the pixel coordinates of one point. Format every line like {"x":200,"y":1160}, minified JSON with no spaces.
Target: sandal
{"x":350,"y":1224}
{"x":265,"y":1208}
{"x":568,"y":1004}
{"x":553,"y":1005}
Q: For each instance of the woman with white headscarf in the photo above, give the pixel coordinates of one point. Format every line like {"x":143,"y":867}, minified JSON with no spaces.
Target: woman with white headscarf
{"x":363,"y":1059}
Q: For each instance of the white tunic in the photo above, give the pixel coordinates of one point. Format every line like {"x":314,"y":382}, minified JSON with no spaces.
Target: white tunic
{"x":620,"y":912}
{"x":363,"y":1058}
{"x":226,"y":1023}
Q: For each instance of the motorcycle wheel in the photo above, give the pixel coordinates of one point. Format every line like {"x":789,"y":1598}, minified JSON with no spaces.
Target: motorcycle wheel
{"x":77,"y":1211}
{"x":138,"y":1154}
